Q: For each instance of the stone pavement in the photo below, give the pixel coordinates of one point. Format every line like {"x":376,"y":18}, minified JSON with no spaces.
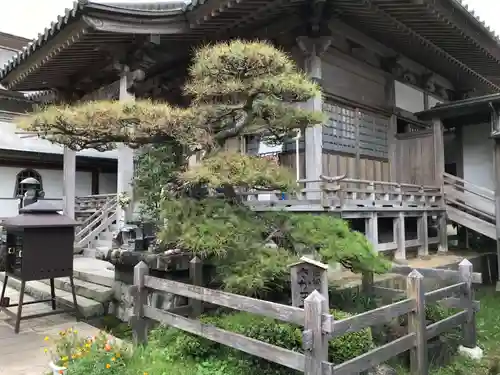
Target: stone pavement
{"x":23,"y":354}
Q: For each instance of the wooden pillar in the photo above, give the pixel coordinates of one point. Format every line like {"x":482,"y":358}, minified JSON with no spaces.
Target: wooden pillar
{"x":497,"y":203}
{"x":390,"y":97}
{"x":400,"y":236}
{"x":495,"y":126}
{"x":438,"y":137}
{"x":437,"y":129}
{"x":69,"y":182}
{"x":423,"y":235}
{"x":125,"y":161}
{"x":313,"y":48}
{"x":372,"y":229}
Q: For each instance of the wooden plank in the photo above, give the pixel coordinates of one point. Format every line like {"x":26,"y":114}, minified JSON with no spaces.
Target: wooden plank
{"x":270,"y":309}
{"x":472,"y":222}
{"x":419,"y":363}
{"x":372,"y":358}
{"x":245,"y":344}
{"x":436,"y":273}
{"x":445,"y":325}
{"x":370,"y":318}
{"x":448,"y":291}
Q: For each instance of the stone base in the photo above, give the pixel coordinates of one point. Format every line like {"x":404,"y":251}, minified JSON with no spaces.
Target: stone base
{"x":498,"y":286}
{"x":473,"y":353}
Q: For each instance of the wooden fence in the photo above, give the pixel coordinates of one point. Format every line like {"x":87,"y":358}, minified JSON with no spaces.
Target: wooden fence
{"x":319,"y":326}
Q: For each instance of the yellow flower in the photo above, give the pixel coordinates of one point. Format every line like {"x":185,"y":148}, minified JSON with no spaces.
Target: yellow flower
{"x":46,"y":338}
{"x":75,"y":332}
{"x":45,"y":350}
{"x":145,"y":373}
{"x":108,"y":365}
{"x":65,"y":358}
{"x":118,"y":355}
{"x":113,"y":359}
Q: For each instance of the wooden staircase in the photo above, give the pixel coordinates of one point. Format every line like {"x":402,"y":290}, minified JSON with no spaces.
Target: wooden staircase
{"x":470,"y":205}
{"x":96,"y":215}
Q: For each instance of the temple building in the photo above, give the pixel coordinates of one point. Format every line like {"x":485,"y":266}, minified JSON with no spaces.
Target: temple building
{"x":23,"y":156}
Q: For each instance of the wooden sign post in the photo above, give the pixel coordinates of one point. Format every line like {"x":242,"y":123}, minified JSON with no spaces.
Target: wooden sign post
{"x":308,"y":275}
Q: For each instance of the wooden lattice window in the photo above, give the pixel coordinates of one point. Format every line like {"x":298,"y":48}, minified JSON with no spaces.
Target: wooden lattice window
{"x":25,"y":173}
{"x":350,"y":130}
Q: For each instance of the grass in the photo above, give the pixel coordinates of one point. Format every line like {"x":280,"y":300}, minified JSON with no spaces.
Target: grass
{"x":488,"y":335}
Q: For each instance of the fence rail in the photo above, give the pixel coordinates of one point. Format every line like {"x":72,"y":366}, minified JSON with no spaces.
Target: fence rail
{"x":319,"y":325}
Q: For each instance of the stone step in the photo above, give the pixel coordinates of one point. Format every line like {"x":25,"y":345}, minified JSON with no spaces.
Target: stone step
{"x":94,"y":271}
{"x":83,"y":288}
{"x":38,"y":290}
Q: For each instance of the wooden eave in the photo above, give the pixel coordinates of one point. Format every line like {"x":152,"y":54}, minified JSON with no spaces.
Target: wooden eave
{"x":419,"y":32}
{"x":86,"y":35}
{"x":434,"y":33}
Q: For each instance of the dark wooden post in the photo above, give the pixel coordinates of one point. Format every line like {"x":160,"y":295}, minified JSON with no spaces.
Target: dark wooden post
{"x":139,"y":322}
{"x":315,"y":343}
{"x":469,"y":327}
{"x":196,"y":275}
{"x":416,"y":324}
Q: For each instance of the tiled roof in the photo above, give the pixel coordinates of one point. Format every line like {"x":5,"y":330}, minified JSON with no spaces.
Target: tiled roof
{"x":79,"y":7}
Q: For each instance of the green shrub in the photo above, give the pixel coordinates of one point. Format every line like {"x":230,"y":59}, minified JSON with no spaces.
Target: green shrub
{"x":268,"y":330}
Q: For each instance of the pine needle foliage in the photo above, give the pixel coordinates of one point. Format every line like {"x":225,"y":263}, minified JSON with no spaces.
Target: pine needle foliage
{"x":236,"y":88}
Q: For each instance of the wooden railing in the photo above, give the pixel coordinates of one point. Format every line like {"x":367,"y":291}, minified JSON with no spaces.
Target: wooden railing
{"x":466,"y":196}
{"x":103,"y":215}
{"x":348,"y":193}
{"x":319,"y":325}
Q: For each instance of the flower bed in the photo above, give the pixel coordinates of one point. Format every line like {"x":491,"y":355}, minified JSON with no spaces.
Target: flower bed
{"x":69,"y":349}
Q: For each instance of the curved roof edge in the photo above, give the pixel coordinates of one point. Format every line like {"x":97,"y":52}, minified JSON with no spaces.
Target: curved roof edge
{"x":80,"y":7}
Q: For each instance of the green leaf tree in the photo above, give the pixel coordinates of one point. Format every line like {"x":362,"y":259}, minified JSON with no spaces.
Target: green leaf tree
{"x":236,"y":88}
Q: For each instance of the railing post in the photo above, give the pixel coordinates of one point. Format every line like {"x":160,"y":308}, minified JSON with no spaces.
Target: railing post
{"x":315,"y":343}
{"x":416,"y":324}
{"x":196,"y":276}
{"x":469,"y":327}
{"x":139,"y":322}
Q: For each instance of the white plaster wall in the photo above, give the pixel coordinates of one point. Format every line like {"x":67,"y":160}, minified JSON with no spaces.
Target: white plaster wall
{"x":408,"y":98}
{"x":478,"y":160}
{"x":52,"y":181}
{"x":107,"y":183}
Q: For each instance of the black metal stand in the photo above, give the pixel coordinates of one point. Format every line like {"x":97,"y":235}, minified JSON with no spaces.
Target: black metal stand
{"x":5,"y":302}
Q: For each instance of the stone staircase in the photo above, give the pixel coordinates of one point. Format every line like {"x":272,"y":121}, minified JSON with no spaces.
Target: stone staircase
{"x":93,"y":283}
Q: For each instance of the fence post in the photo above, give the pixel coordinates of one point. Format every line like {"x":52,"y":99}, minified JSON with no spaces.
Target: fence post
{"x":314,"y":342}
{"x":196,"y":276}
{"x":416,"y":324}
{"x":139,"y":322}
{"x":469,"y":327}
